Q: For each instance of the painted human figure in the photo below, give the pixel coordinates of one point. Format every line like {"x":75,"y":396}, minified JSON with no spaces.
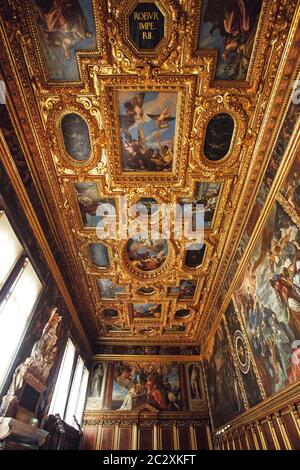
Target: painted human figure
{"x":194,"y":381}
{"x":96,"y":384}
{"x":128,"y":400}
{"x":64,"y":23}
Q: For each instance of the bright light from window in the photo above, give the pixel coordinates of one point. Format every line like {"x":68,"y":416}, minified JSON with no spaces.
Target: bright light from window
{"x":73,"y":397}
{"x":60,"y":395}
{"x":82,"y":394}
{"x":15,"y":313}
{"x":10,"y":248}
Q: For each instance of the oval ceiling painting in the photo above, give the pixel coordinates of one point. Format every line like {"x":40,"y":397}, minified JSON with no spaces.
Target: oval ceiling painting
{"x":146,"y":254}
{"x":182,"y":313}
{"x":194,"y":255}
{"x":146,"y":290}
{"x":110,"y":313}
{"x":218,"y":137}
{"x":76,"y":137}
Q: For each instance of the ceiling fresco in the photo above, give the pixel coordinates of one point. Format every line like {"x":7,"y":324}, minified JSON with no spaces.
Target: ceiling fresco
{"x":151,"y":103}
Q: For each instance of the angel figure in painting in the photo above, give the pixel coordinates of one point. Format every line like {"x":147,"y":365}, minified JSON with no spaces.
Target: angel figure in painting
{"x":147,"y":127}
{"x":162,"y":118}
{"x":133,"y":112}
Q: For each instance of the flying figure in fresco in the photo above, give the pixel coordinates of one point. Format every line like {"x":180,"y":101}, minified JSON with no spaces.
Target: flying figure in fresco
{"x":133,"y":112}
{"x":162,"y":118}
{"x":235,"y":22}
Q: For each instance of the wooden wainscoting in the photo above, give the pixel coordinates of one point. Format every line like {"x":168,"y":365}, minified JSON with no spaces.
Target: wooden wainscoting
{"x":274,"y":424}
{"x":146,"y":431}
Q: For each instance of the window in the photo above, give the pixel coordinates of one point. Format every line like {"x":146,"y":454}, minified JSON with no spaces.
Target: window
{"x":69,"y":394}
{"x":60,"y":395}
{"x":19,"y":290}
{"x":82,"y":395}
{"x":10,"y":248}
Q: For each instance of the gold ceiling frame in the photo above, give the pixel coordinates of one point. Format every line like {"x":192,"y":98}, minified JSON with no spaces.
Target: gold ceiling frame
{"x":259,"y":49}
{"x":146,"y":358}
{"x":75,"y":217}
{"x":212,"y":234}
{"x":86,"y":258}
{"x":148,"y":276}
{"x":65,"y":163}
{"x":170,"y":12}
{"x":186,"y":301}
{"x":206,"y":109}
{"x":136,"y":285}
{"x":193,"y":181}
{"x":187,"y":319}
{"x":203,"y":267}
{"x":111,"y":305}
{"x":118,"y":296}
{"x":185,"y":89}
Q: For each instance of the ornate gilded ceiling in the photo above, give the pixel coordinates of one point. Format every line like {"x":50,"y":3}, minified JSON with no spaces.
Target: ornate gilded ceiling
{"x":159,"y":102}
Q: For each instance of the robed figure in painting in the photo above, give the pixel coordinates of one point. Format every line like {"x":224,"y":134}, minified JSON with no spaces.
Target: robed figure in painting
{"x":64,"y":23}
{"x":96,"y":383}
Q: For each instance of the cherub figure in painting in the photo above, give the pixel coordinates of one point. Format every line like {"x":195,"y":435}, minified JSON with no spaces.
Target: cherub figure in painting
{"x":147,"y":129}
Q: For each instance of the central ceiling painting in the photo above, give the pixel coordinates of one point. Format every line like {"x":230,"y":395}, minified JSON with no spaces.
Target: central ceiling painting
{"x":147,"y":129}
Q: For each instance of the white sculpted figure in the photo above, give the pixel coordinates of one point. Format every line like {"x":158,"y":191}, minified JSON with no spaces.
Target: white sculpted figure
{"x":38,"y":364}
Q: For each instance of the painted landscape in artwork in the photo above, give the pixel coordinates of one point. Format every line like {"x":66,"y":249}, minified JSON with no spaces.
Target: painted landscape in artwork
{"x":147,"y":129}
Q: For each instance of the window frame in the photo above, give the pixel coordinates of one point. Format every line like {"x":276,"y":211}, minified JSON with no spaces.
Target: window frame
{"x":9,"y":282}
{"x":71,"y":380}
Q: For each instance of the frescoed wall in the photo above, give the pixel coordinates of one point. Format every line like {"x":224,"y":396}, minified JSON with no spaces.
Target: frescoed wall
{"x":246,"y":366}
{"x":153,"y":383}
{"x":225,"y":397}
{"x":141,"y":403}
{"x":269,"y":299}
{"x":165,"y":386}
{"x":285,"y":134}
{"x":262,"y":320}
